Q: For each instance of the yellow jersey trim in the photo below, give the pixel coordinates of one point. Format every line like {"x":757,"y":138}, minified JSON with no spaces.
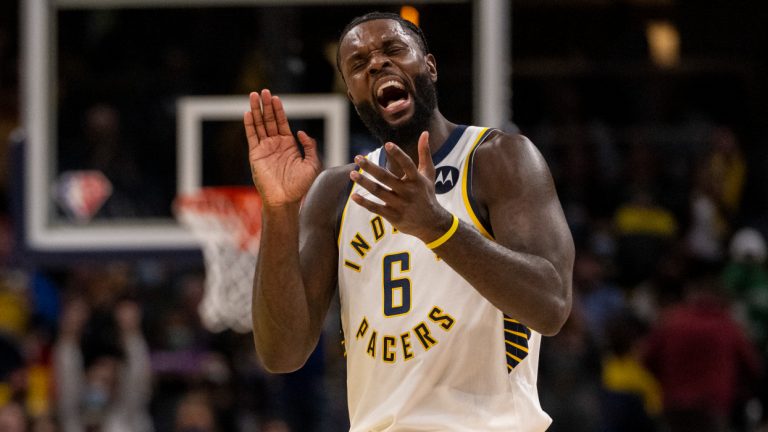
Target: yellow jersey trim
{"x":465,"y":186}
{"x":344,"y":212}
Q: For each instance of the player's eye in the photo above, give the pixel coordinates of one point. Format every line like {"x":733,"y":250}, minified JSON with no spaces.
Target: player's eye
{"x":357,"y":65}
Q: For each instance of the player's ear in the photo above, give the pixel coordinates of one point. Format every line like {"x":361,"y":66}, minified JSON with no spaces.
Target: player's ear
{"x":349,"y":96}
{"x":432,"y":67}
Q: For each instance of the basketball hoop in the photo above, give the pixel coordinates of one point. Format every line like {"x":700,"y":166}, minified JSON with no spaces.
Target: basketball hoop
{"x":227,"y":221}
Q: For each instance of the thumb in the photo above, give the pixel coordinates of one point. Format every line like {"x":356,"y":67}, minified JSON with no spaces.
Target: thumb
{"x":426,"y":167}
{"x":309,"y":144}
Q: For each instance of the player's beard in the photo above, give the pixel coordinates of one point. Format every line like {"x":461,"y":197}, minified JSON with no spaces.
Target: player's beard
{"x":407,"y":134}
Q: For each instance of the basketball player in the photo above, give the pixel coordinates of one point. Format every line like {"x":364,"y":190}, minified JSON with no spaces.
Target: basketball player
{"x":448,"y":246}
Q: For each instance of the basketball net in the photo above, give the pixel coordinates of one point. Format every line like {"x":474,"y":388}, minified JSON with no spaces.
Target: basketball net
{"x":227,"y":222}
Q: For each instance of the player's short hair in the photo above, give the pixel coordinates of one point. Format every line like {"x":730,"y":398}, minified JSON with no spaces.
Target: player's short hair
{"x":413,"y":28}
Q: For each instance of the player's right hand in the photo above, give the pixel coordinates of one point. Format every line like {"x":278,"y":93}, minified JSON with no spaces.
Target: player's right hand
{"x":278,"y":169}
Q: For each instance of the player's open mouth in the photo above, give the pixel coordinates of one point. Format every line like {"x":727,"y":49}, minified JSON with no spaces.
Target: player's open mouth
{"x":393,"y":97}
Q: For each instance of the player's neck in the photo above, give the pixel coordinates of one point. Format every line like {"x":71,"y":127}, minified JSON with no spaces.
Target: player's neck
{"x":439,"y":129}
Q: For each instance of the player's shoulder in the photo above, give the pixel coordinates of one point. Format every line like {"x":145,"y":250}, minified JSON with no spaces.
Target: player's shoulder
{"x":335,"y":177}
{"x":508,"y":151}
{"x":509,"y":161}
{"x":498,"y":139}
{"x":326,"y":191}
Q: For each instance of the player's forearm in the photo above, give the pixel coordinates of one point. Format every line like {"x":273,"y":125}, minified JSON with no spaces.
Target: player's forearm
{"x":282,"y":328}
{"x":524,"y":286}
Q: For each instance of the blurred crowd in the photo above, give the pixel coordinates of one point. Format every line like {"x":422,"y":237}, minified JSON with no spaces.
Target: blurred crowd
{"x":668,"y":332}
{"x":669,"y":327}
{"x":112,"y":347}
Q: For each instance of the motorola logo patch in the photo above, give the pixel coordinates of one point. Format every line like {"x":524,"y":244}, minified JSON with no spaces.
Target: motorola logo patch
{"x":446,"y":178}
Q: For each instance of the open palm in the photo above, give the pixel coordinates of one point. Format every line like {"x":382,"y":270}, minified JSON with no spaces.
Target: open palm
{"x":278,"y":169}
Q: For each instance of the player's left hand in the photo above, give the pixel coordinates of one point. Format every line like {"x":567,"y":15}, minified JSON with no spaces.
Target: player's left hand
{"x":409,"y":202}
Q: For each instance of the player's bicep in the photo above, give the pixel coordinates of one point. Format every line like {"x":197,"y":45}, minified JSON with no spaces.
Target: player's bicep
{"x":523,"y":209}
{"x":318,"y":250}
{"x":318,"y":272}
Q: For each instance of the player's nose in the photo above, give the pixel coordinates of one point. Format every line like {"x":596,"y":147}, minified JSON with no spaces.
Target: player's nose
{"x":377,"y":63}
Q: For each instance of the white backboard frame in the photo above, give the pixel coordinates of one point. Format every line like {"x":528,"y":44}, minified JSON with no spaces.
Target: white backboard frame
{"x":192,"y":111}
{"x":38,"y":18}
{"x":145,"y":235}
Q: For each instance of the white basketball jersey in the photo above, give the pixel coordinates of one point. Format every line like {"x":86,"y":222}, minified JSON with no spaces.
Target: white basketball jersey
{"x":425,"y":351}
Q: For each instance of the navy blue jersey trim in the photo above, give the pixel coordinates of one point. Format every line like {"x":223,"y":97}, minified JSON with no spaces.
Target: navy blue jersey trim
{"x":442,"y":152}
{"x":472,"y":202}
{"x":448,"y":145}
{"x":382,"y":157}
{"x":516,"y":337}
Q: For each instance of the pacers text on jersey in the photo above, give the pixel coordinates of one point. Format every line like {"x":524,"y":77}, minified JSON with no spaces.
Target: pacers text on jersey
{"x":391,"y":348}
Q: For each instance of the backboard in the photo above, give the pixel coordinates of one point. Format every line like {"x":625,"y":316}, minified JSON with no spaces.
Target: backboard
{"x":88,"y":65}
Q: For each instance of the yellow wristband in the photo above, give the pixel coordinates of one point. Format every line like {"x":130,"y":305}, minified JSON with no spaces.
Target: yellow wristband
{"x":448,"y":234}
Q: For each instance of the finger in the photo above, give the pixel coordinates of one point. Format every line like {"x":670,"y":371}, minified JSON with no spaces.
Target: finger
{"x":379,"y":173}
{"x":250,"y":129}
{"x":402,"y":160}
{"x":426,"y":166}
{"x":371,"y":206}
{"x":270,"y":124}
{"x":376,"y":189}
{"x":258,"y":119}
{"x":282,"y":121}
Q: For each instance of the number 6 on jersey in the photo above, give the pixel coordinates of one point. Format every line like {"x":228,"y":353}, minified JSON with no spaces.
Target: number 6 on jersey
{"x":397,"y":292}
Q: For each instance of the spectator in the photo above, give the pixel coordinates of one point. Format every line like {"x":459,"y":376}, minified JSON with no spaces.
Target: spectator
{"x":14,"y":305}
{"x":727,"y":170}
{"x":599,"y":299}
{"x":104,"y":385}
{"x":13,"y":418}
{"x":716,"y":196}
{"x":24,"y":342}
{"x":195,"y":413}
{"x":702,"y":359}
{"x":631,"y":398}
{"x":570,"y":377}
{"x":663,"y":288}
{"x":746,"y":280}
{"x":644,"y":230}
{"x":11,"y":368}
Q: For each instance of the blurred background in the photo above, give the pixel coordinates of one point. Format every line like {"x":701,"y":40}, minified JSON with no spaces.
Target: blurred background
{"x":650,"y":113}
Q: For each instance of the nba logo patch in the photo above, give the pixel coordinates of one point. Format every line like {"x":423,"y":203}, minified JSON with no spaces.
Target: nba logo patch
{"x":446,"y":178}
{"x":82,"y":193}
